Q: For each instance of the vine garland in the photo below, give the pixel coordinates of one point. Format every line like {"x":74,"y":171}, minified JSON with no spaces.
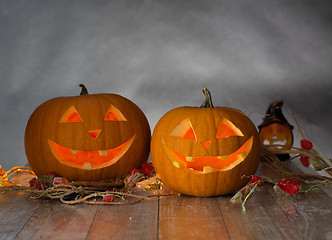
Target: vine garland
{"x":51,"y":187}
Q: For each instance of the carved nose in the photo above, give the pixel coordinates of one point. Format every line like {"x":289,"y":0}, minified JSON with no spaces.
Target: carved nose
{"x":94,"y":133}
{"x":206,"y":144}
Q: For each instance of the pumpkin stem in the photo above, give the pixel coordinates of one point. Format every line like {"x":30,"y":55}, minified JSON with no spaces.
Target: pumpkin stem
{"x":208,"y":99}
{"x":84,"y":90}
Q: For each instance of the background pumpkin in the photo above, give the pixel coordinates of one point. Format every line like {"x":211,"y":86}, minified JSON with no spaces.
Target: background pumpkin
{"x":275,"y":129}
{"x":209,"y":136}
{"x":87,"y":137}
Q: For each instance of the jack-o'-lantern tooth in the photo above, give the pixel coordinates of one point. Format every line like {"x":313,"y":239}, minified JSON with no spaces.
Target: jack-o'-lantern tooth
{"x":87,"y":166}
{"x":241,"y":155}
{"x":73,"y":151}
{"x":189,"y":159}
{"x":103,"y":152}
{"x":223,"y":156}
{"x":176,"y":164}
{"x":207,"y":169}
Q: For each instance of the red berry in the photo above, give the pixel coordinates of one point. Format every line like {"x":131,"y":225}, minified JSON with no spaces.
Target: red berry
{"x":133,"y":178}
{"x":134,"y":171}
{"x":35,"y":183}
{"x":108,"y":197}
{"x":306,"y":144}
{"x":254,"y":179}
{"x":147,"y":169}
{"x":305,"y":161}
{"x":290,"y":185}
{"x":60,"y":180}
{"x":38,"y":185}
{"x":32,"y":182}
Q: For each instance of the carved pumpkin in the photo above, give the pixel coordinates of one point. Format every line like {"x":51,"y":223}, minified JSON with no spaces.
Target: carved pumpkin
{"x":205,"y":151}
{"x":275,"y":129}
{"x":87,"y":137}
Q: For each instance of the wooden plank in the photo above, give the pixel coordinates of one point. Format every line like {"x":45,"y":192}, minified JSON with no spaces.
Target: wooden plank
{"x":268,"y":216}
{"x":16,"y":208}
{"x":328,"y":191}
{"x":15,"y":211}
{"x":184,"y":217}
{"x":309,"y":213}
{"x":133,"y":221}
{"x":263,"y":219}
{"x":55,"y":220}
{"x":306,"y":216}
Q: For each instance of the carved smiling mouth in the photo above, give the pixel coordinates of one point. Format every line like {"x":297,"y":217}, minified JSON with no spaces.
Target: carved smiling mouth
{"x":89,"y":160}
{"x":208,"y":164}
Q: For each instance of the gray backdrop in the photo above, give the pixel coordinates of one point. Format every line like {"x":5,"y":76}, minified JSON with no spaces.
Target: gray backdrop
{"x":161,"y":53}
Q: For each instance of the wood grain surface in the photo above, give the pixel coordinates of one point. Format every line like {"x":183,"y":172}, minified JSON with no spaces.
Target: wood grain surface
{"x":268,"y":216}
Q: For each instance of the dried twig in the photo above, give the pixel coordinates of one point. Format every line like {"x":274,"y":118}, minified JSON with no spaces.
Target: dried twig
{"x":269,"y":154}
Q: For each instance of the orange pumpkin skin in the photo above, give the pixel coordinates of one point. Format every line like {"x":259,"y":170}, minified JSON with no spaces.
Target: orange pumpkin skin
{"x":202,"y":145}
{"x":89,"y":137}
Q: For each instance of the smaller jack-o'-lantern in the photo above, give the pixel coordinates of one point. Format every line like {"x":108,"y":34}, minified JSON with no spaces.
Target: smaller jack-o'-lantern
{"x":275,"y":129}
{"x":88,"y":137}
{"x":205,"y":151}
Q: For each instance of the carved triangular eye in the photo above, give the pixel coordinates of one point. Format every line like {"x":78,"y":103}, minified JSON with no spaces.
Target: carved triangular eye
{"x":226,"y":129}
{"x":71,"y":115}
{"x":184,"y":130}
{"x":114,"y":114}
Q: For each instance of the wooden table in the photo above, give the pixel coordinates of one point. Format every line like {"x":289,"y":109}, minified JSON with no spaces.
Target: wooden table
{"x":268,"y":216}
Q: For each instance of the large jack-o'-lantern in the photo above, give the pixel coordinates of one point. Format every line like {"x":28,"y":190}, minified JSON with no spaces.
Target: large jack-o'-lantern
{"x":205,"y":151}
{"x":87,"y":137}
